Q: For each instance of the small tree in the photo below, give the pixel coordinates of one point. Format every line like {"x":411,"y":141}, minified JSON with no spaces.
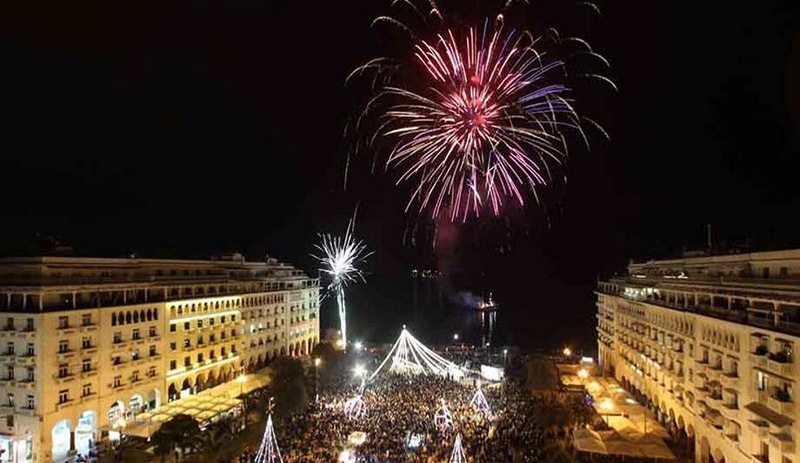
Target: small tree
{"x":182,"y":431}
{"x":541,"y":374}
{"x":289,"y":386}
{"x":163,"y":445}
{"x":214,"y":441}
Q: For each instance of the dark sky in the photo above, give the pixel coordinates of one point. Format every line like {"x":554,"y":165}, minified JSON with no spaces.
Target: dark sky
{"x":186,"y":128}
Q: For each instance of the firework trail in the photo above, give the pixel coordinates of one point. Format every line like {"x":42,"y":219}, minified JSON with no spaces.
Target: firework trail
{"x":486,"y":124}
{"x":340,"y":256}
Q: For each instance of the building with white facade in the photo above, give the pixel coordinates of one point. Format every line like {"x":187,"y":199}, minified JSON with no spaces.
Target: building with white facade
{"x":86,"y":343}
{"x":710,"y":341}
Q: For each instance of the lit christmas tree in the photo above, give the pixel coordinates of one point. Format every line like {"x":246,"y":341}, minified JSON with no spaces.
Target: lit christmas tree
{"x":479,"y":401}
{"x":458,"y":452}
{"x":269,"y":452}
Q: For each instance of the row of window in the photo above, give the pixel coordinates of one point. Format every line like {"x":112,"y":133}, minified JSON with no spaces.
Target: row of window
{"x":212,"y":355}
{"x":31,"y":404}
{"x":63,"y":321}
{"x":117,"y":358}
{"x":212,"y":338}
{"x":11,"y":324}
{"x":173,"y":327}
{"x":11,"y":376}
{"x":11,"y":349}
{"x":136,"y":316}
{"x":136,"y":334}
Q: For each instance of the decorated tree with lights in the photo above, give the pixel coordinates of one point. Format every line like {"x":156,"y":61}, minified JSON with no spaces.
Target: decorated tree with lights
{"x":458,"y":452}
{"x":480,"y":403}
{"x":269,"y":452}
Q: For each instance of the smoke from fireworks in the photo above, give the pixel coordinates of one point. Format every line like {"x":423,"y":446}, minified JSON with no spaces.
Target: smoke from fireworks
{"x":340,"y":257}
{"x":485,"y":126}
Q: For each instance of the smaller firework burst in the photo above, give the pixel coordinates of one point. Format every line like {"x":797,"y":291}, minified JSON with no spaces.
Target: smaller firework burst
{"x":339,"y":259}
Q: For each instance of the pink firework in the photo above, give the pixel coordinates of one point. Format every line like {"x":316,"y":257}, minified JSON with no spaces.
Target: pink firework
{"x":483,"y":129}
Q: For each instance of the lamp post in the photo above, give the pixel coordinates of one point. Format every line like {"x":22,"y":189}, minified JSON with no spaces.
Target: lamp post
{"x":361,"y":372}
{"x":317,"y":361}
{"x":505,"y":355}
{"x":241,"y":380}
{"x":606,"y":405}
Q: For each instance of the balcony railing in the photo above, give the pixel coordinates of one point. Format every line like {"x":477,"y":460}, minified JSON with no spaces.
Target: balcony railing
{"x":737,"y":315}
{"x":782,"y":441}
{"x":780,"y":368}
{"x":785,"y":407}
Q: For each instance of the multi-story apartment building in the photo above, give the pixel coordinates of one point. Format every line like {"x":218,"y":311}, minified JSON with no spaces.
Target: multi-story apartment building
{"x":710,"y":341}
{"x":86,"y":343}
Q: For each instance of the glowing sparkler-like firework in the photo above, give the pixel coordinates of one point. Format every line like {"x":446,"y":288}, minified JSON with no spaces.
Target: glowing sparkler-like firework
{"x":486,"y":124}
{"x":339,"y":259}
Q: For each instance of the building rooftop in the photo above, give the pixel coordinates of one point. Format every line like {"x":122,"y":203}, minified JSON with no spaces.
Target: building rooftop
{"x":62,"y":270}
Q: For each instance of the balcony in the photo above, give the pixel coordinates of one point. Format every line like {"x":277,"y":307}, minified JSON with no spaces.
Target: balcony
{"x":28,"y":335}
{"x":119,"y":365}
{"x":759,"y":427}
{"x":64,"y":355}
{"x":64,"y":404}
{"x":89,"y":373}
{"x":26,"y":360}
{"x":88,"y":327}
{"x":28,"y":384}
{"x":782,"y":441}
{"x":730,"y":411}
{"x":780,"y":366}
{"x":759,"y":357}
{"x":65,"y":379}
{"x":781,"y":405}
{"x":66,"y":330}
{"x":730,"y":380}
{"x":119,"y":344}
{"x":7,"y":382}
{"x":88,"y":350}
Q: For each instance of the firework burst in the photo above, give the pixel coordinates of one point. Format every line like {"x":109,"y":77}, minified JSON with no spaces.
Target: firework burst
{"x":485,"y":126}
{"x":339,"y":259}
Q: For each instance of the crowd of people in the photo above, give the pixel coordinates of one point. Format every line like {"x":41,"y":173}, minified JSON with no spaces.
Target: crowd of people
{"x":398,"y":407}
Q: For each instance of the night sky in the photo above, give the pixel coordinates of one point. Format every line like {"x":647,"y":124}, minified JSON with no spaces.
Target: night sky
{"x":183,"y":129}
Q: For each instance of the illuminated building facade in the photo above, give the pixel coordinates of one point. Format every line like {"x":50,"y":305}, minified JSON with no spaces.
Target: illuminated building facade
{"x":710,"y":340}
{"x":87,"y":343}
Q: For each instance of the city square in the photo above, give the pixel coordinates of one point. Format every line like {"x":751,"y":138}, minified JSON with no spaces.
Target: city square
{"x":399,"y":231}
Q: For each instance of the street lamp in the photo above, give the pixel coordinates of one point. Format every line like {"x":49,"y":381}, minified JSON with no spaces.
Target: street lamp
{"x":455,"y":337}
{"x":567,"y":352}
{"x":505,"y":354}
{"x":360,"y":371}
{"x":583,"y":373}
{"x":358,"y":345}
{"x":241,"y":380}
{"x":317,"y":361}
{"x":607,"y":405}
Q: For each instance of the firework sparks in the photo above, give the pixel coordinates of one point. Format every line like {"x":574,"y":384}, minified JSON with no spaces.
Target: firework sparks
{"x":339,"y":259}
{"x":484,"y":129}
{"x":480,"y":116}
